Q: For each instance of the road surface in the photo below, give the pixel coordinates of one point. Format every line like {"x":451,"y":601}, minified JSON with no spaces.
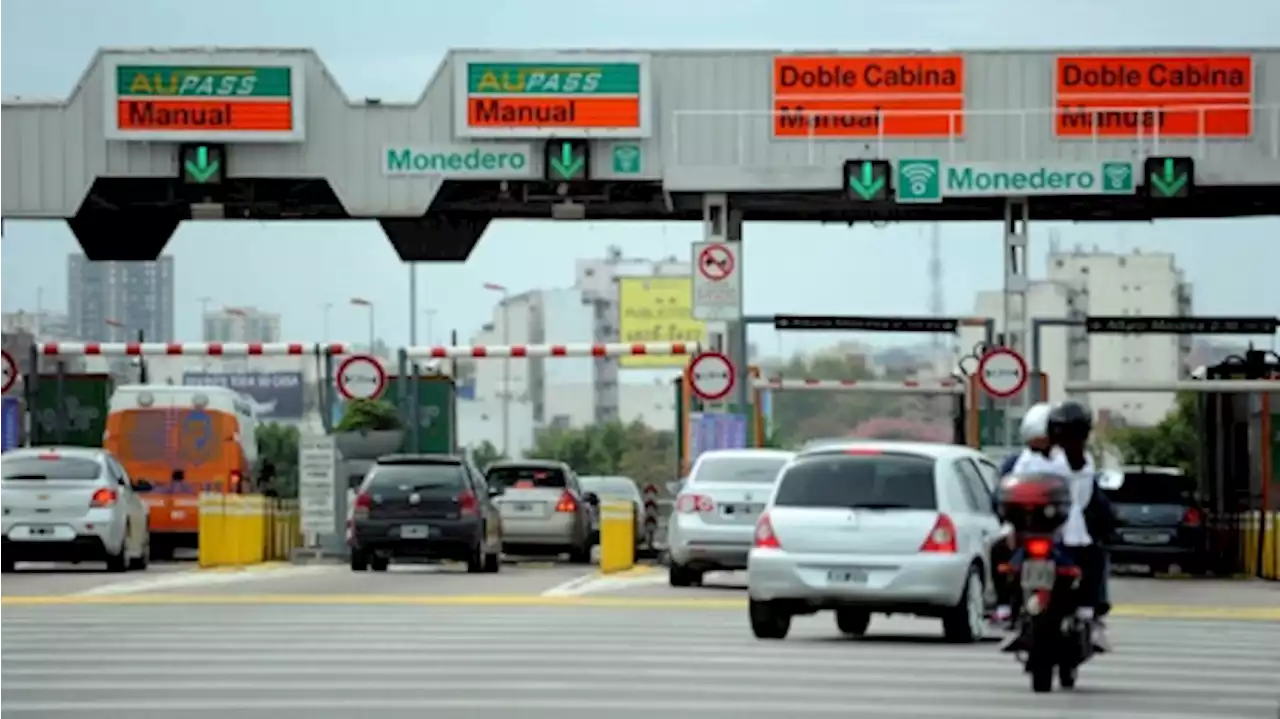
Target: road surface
{"x":307,"y":661}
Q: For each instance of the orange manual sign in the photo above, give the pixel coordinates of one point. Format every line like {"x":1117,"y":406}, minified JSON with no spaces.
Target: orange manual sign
{"x":1154,"y":96}
{"x":862,"y":96}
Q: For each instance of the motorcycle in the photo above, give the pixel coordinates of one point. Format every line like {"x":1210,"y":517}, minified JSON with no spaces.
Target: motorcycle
{"x":1049,"y":635}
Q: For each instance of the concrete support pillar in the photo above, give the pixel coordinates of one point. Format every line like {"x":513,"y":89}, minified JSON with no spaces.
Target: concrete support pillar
{"x":1016,"y":279}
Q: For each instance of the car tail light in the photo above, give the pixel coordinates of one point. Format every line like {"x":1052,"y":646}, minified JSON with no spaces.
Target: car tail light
{"x":694,"y":504}
{"x":942,"y":538}
{"x":1193,"y":517}
{"x":765,"y":537}
{"x":360,"y":510}
{"x":567,"y":503}
{"x":1039,"y":548}
{"x":103,"y":498}
{"x":468,"y":505}
{"x":236,"y":476}
{"x":49,"y":456}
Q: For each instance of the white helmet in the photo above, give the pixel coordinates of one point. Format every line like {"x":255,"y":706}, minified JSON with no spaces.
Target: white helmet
{"x":1035,"y":423}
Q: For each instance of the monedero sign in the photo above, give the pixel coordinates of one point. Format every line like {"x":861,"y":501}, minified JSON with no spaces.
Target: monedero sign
{"x":196,"y":97}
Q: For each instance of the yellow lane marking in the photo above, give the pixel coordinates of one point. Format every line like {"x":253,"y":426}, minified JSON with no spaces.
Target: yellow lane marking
{"x":1149,"y":611}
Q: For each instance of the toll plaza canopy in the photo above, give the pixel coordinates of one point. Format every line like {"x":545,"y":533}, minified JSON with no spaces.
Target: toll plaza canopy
{"x":151,"y":137}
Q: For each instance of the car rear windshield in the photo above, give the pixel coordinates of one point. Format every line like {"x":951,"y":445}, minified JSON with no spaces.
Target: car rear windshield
{"x":505,"y":478}
{"x":51,"y":468}
{"x":754,"y":470}
{"x":418,"y":477}
{"x":1153,"y":488}
{"x":882,"y":481}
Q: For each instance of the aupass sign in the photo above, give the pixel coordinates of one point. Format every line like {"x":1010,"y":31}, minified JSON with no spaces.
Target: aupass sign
{"x":193,"y":97}
{"x":933,"y":180}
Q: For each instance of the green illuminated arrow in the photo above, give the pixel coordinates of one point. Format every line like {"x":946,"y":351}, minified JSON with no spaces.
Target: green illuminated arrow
{"x":567,"y":165}
{"x":202,"y":169}
{"x":868,"y":186}
{"x":1170,"y":183}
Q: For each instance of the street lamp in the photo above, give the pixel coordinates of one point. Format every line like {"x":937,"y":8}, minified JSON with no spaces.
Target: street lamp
{"x":506,"y":365}
{"x":361,"y":302}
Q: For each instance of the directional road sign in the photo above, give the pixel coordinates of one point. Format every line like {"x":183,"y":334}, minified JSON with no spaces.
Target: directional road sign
{"x":1002,"y":372}
{"x":867,"y":180}
{"x":202,"y":164}
{"x":1169,"y":177}
{"x":711,"y":376}
{"x":10,"y":373}
{"x":717,"y":281}
{"x":567,"y":160}
{"x":361,"y":377}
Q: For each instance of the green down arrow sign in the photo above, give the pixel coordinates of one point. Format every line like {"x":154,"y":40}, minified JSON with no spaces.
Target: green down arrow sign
{"x":865,"y":184}
{"x":568,"y":163}
{"x":1169,"y":182}
{"x":202,"y":168}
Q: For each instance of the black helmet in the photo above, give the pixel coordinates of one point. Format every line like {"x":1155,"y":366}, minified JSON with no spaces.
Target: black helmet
{"x":1070,"y":418}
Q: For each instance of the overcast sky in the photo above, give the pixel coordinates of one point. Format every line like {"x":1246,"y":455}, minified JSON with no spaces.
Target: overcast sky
{"x":390,"y":48}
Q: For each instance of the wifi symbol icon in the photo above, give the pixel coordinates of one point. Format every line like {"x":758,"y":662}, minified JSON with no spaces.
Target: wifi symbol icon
{"x":919,"y":180}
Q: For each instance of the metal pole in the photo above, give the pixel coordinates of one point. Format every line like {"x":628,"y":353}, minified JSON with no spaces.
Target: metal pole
{"x":413,"y":303}
{"x":506,"y":377}
{"x":60,"y":405}
{"x":371,"y":329}
{"x":415,"y":407}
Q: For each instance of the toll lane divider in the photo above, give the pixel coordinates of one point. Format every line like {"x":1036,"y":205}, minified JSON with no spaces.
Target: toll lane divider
{"x":1262,"y":544}
{"x":1137,"y":611}
{"x":237,"y":530}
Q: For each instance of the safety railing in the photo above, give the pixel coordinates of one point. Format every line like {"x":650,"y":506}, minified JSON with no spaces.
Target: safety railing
{"x":1032,"y":129}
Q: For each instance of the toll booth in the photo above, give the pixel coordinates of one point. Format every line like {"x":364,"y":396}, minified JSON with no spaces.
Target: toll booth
{"x":1234,"y":446}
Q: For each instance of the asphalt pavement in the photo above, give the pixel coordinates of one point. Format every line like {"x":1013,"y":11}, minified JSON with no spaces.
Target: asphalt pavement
{"x":490,"y":662}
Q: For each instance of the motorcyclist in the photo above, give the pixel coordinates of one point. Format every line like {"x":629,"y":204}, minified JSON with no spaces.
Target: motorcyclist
{"x":1090,"y":516}
{"x":1035,"y":436}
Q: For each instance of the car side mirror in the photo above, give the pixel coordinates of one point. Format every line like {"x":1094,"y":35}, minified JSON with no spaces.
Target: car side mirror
{"x":592,"y":498}
{"x":142,"y":485}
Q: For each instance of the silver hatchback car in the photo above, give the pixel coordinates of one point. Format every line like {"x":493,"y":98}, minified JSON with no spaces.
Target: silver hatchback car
{"x":876,"y":527}
{"x":72,"y":504}
{"x":716,"y":510}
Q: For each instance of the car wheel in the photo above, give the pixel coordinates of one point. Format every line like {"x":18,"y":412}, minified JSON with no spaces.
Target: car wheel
{"x":768,"y":621}
{"x":141,"y":561}
{"x":7,"y":566}
{"x":580,"y":554}
{"x":475,"y":563}
{"x":379,"y":564}
{"x":966,"y":622}
{"x":493,"y":563}
{"x":682,"y":576}
{"x":359,"y":561}
{"x":161,"y":551}
{"x":119,"y":562}
{"x":853,"y":622}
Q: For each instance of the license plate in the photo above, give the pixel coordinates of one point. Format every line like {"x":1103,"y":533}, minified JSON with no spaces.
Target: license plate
{"x":846,"y":576}
{"x":1038,"y":574}
{"x":42,"y":533}
{"x":522,"y":507}
{"x":415,"y":531}
{"x":1147,"y":537}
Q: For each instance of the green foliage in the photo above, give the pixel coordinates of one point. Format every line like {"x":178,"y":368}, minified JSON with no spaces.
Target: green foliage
{"x":632,"y":450}
{"x":277,"y":468}
{"x":1173,"y":442}
{"x":485,"y":454}
{"x":369,"y":415}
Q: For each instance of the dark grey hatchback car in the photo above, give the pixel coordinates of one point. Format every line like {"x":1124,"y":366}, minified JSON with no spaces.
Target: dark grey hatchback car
{"x":425,"y":506}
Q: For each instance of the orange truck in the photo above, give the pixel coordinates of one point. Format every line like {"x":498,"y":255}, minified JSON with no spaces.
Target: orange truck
{"x":184,"y":441}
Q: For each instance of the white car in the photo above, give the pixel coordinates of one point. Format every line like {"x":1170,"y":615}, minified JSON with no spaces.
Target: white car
{"x":715,"y":512}
{"x":876,"y":527}
{"x":72,"y":504}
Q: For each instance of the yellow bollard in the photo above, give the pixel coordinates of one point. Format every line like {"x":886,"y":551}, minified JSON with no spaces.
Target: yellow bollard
{"x":617,"y":537}
{"x":211,"y":530}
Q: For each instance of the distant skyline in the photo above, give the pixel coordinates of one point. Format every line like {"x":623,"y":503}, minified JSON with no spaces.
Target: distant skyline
{"x":381,"y":50}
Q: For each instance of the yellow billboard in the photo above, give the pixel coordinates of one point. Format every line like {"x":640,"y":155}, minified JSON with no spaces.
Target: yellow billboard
{"x":657,"y":309}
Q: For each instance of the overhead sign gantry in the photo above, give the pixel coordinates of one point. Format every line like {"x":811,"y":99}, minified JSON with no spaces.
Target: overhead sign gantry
{"x":151,"y":138}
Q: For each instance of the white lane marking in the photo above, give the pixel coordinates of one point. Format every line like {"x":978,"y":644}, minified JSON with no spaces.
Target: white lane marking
{"x":198,"y":578}
{"x":596,"y":584}
{"x":571,"y":588}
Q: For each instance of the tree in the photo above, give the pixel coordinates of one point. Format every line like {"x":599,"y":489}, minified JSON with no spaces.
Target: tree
{"x":277,"y":468}
{"x":485,"y":454}
{"x":1173,"y":442}
{"x":369,"y":415}
{"x":632,"y":450}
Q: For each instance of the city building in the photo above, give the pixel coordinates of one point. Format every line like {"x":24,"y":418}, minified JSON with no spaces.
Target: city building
{"x":42,"y":324}
{"x":1081,"y":283}
{"x":241,"y":324}
{"x":113,"y":301}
